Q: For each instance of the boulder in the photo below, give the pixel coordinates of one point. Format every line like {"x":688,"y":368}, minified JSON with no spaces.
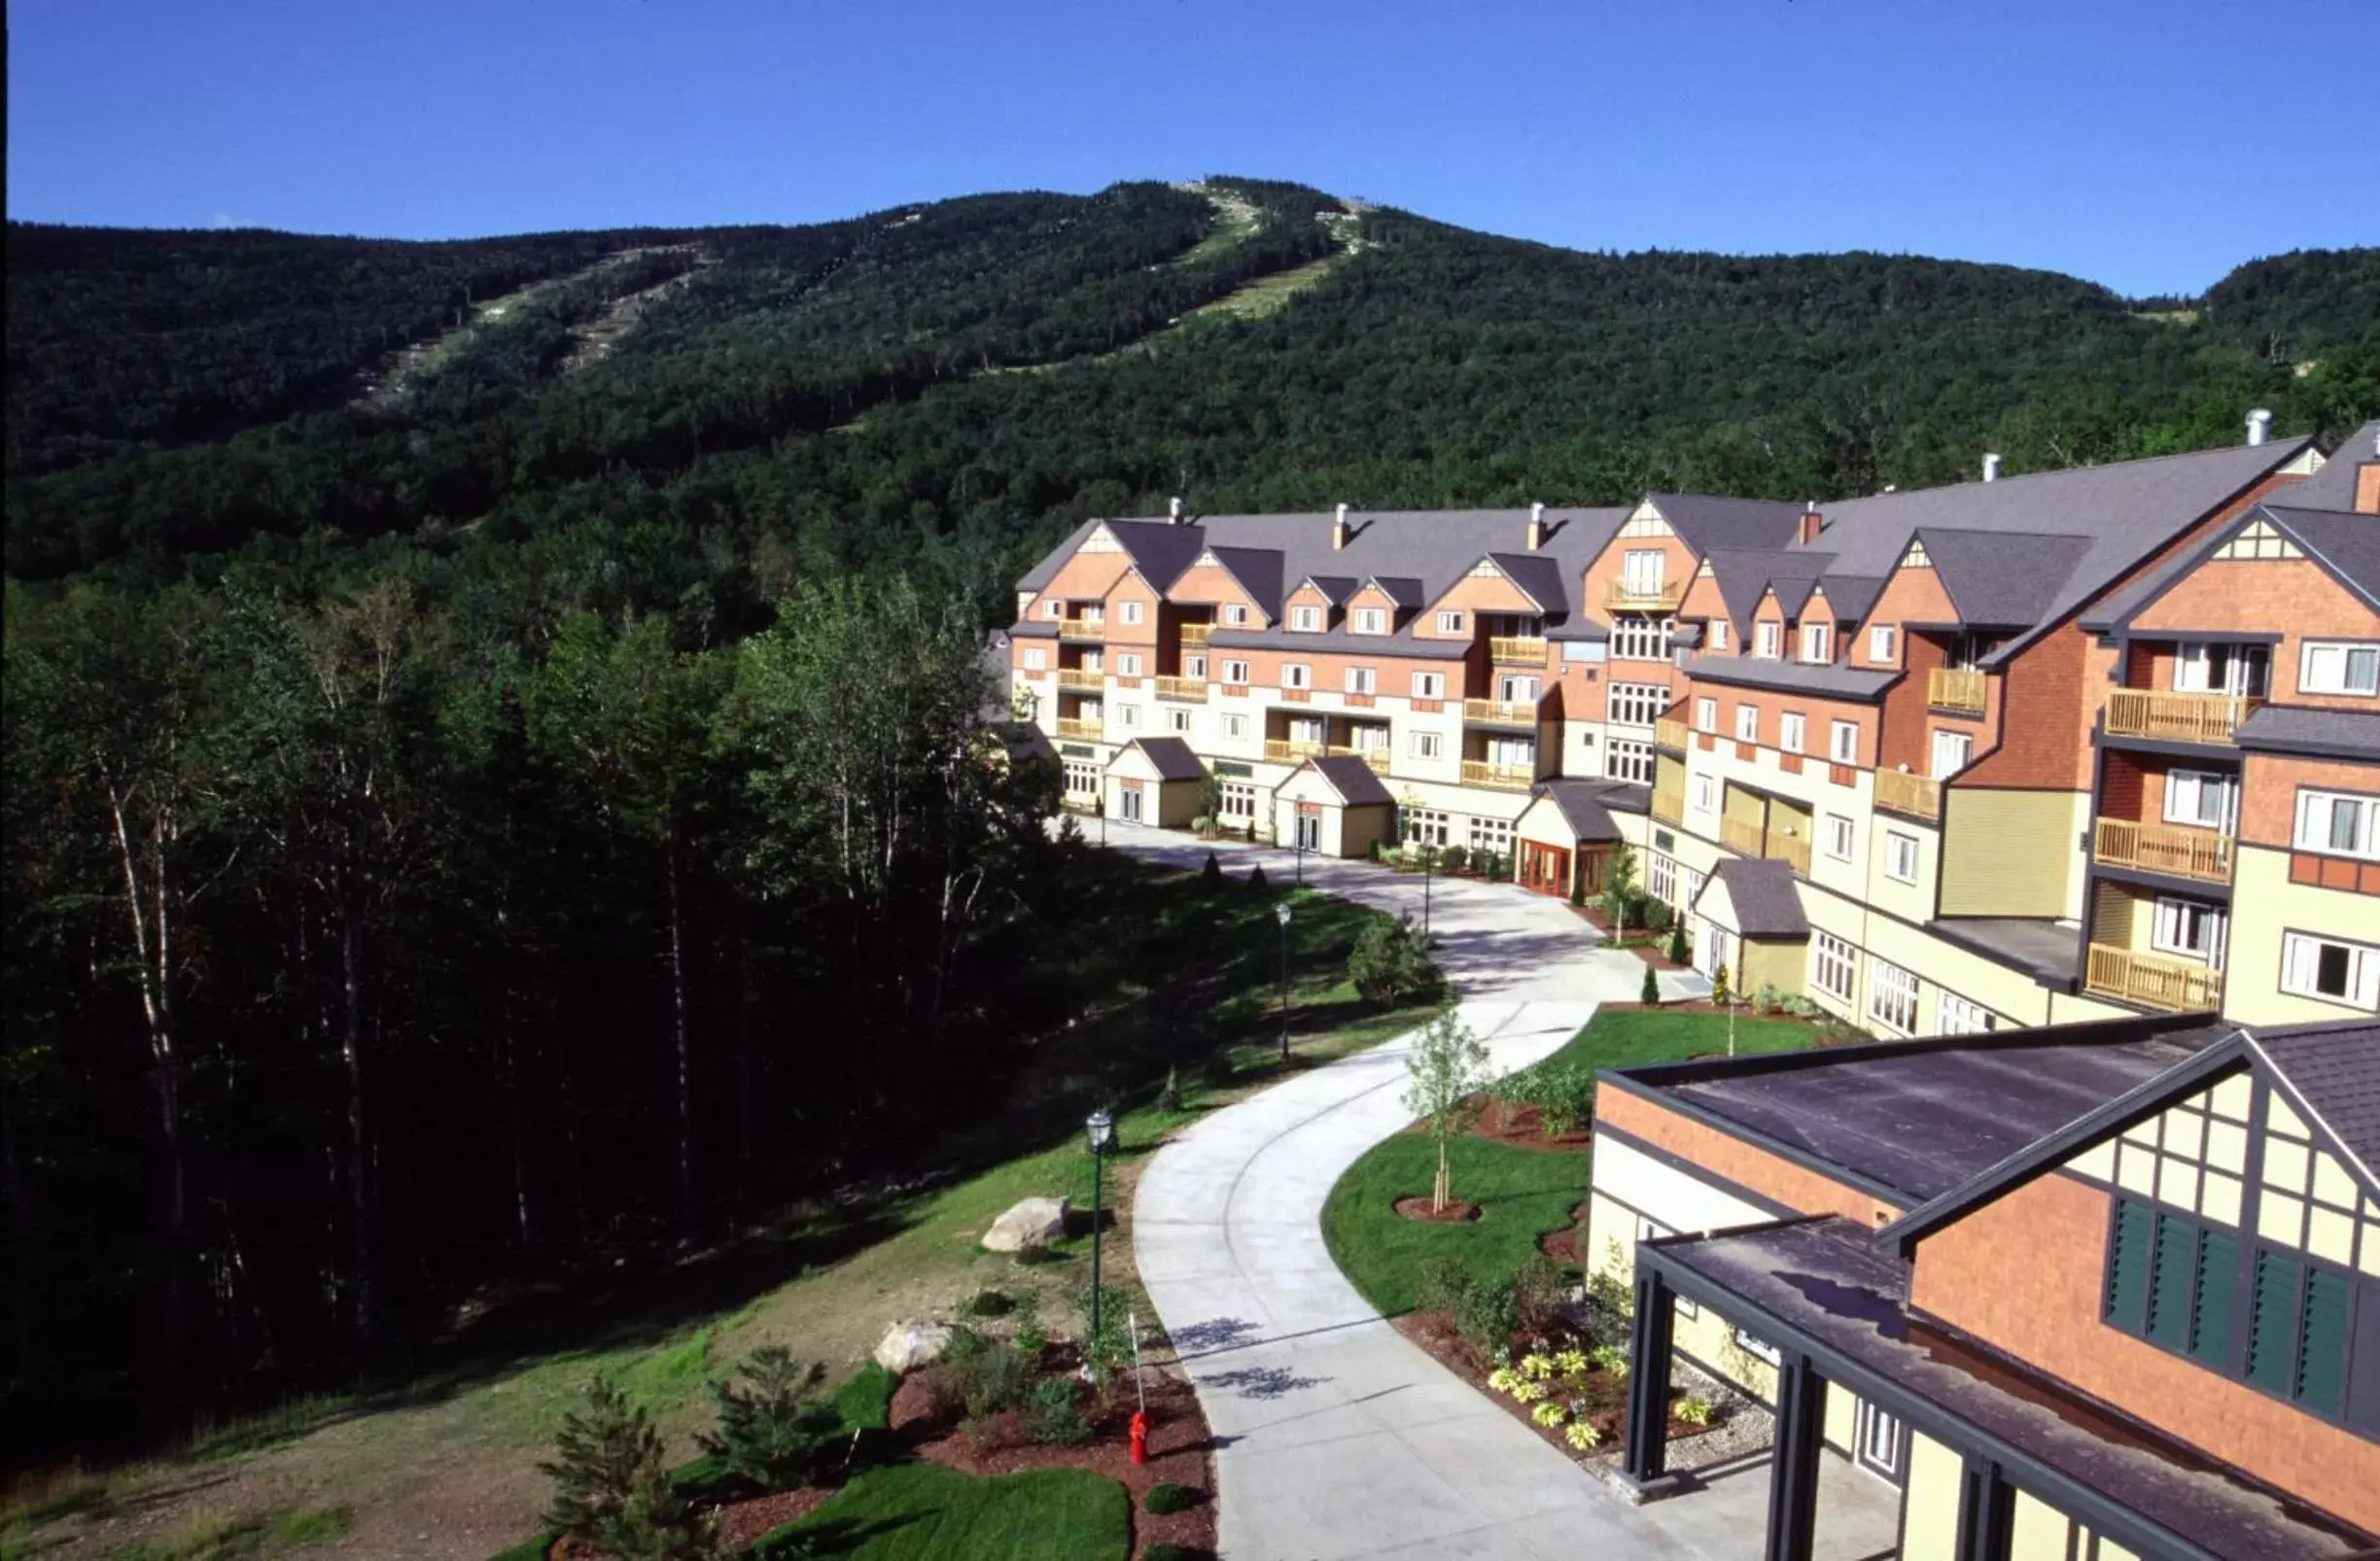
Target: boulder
{"x":906,"y":1346}
{"x":1035,"y":1222}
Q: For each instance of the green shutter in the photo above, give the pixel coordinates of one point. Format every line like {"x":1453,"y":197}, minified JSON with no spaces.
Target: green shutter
{"x":2128,"y":1265}
{"x":2272,"y":1329}
{"x":2321,"y":1362}
{"x":2170,"y":1284}
{"x":2211,"y":1322}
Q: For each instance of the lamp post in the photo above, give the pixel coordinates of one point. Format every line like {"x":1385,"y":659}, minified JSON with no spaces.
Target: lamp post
{"x":1099,"y":1128}
{"x":1280,"y":914}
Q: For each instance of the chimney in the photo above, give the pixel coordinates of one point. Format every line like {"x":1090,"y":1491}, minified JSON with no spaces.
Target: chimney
{"x":1338,"y":530}
{"x":2259,"y":427}
{"x":1812,"y":523}
{"x":1992,"y":469}
{"x":1536,"y":530}
{"x":2368,"y":482}
{"x":1175,"y":509}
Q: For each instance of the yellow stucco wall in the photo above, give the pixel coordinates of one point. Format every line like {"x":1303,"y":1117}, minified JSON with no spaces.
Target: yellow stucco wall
{"x":2012,"y":853}
{"x":2252,"y":976}
{"x":1929,"y":1516}
{"x":1781,"y":965}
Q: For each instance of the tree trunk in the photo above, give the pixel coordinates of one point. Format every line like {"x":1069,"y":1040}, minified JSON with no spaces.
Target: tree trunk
{"x":146,"y":906}
{"x":358,"y":1153}
{"x":686,"y":1064}
{"x":1444,"y":1188}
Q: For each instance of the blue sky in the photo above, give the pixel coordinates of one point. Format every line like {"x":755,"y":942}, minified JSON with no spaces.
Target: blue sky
{"x":2150,"y":147}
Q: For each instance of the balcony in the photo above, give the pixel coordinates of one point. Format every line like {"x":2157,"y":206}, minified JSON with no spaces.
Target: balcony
{"x":1620,"y":596}
{"x":1955,"y":688}
{"x":1741,"y":834}
{"x":1082,"y":628}
{"x":1791,"y":850}
{"x":2176,"y":850}
{"x":1277,"y":752}
{"x":2176,"y":717}
{"x":1501,"y":712}
{"x":1191,"y":690}
{"x":2152,"y":980}
{"x":1376,"y":758}
{"x":1195,"y":633}
{"x":1517,"y":650}
{"x":1669,"y":733}
{"x":1069,"y":727}
{"x":1081,"y":677}
{"x":1669,"y":807}
{"x":1498,"y":777}
{"x":1913,"y":794}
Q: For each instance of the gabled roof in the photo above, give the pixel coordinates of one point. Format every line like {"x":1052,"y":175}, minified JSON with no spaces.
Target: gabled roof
{"x":1585,"y":805}
{"x":1170,"y":756}
{"x":1852,"y":595}
{"x":2001,"y":579}
{"x":1830,"y":680}
{"x":1334,"y":588}
{"x":1539,"y":578}
{"x":1404,"y":590}
{"x":1041,"y":574}
{"x":2333,"y":487}
{"x":2316,"y":733}
{"x":1743,"y":577}
{"x":1353,"y":778}
{"x":1258,"y":569}
{"x":2348,"y":545}
{"x":1159,"y":549}
{"x":1761,"y":893}
{"x":1709,"y":520}
{"x":2334,"y":1072}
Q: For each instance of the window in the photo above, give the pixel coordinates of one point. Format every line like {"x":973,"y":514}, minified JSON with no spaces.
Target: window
{"x":1236,"y":674}
{"x":1053,"y":610}
{"x":2223,"y":668}
{"x":1234,"y":724}
{"x":1128,"y":717}
{"x":1178,"y":720}
{"x":1128,"y":664}
{"x":1429,"y":686}
{"x":1817,"y":643}
{"x":1635,"y":703}
{"x":1661,"y":877}
{"x":1790,"y":731}
{"x":2202,"y":797}
{"x":1424,"y":744}
{"x":1892,"y":996}
{"x":1747,"y":723}
{"x":2341,"y":825}
{"x":1624,"y":760}
{"x":1754,"y":1345}
{"x":1194,"y":666}
{"x":1706,"y":794}
{"x":1081,"y":780}
{"x":1371,"y":620}
{"x":1718,"y":634}
{"x":1127,"y":611}
{"x":1641,"y":638}
{"x":1308,"y":619}
{"x":1900,"y":856}
{"x":1844,"y":749}
{"x":2170,"y":1279}
{"x":2330,"y":667}
{"x":1693,"y":886}
{"x":1706,"y":716}
{"x":1035,"y":658}
{"x":1235,"y":613}
{"x":2190,"y":927}
{"x":1832,"y":964}
{"x":2327,"y":969}
{"x":1951,"y":752}
{"x":1640,"y":571}
{"x":1881,"y":647}
{"x":1492,"y":834}
{"x":1360,"y":679}
{"x":1238,"y":799}
{"x":1450,"y":623}
{"x":1956,"y":1015}
{"x":1094,"y":660}
{"x":1767,"y":639}
{"x":1839,"y":837}
{"x":1296,"y":675}
{"x":1423,"y":826}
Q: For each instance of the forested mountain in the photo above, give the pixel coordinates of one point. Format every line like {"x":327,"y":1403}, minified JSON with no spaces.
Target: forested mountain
{"x":485,"y":783}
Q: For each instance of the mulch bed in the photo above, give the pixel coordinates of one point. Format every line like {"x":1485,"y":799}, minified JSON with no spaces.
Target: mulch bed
{"x":1523,"y":1127}
{"x":1563,"y":1245}
{"x":1456,"y":1212}
{"x":740,"y":1523}
{"x":1435,"y":1332}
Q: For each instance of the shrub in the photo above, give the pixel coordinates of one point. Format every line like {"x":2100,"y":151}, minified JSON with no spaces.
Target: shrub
{"x":1578,"y":889}
{"x":864,"y":1400}
{"x":1693,"y":1411}
{"x":1721,"y":994}
{"x":1563,"y":1093}
{"x":1256,"y":877}
{"x":1109,"y":1349}
{"x":988,"y":1375}
{"x":775,"y":1430}
{"x":1163,"y":1551}
{"x":611,"y":1491}
{"x":1166,"y":1497}
{"x":1538,"y":1293}
{"x":1611,"y":1306}
{"x":1765,"y":1001}
{"x":1453,"y":858}
{"x":1213,"y":872}
{"x":1487,"y":1314}
{"x":1657,"y":915}
{"x":1441,"y":1285}
{"x":986,"y":1303}
{"x":1169,"y":1095}
{"x":1649,"y":993}
{"x":1054,"y":1417}
{"x":1678,"y":941}
{"x":1388,"y":964}
{"x":1200,"y":824}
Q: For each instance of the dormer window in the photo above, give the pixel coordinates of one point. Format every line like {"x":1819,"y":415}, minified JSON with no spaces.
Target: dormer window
{"x":1371,"y":620}
{"x":1127,"y":611}
{"x":1718,"y":634}
{"x":1234,"y":613}
{"x":1306,"y":620}
{"x":1881,"y":647}
{"x":1817,"y":643}
{"x":1450,"y":623}
{"x":1768,"y":639}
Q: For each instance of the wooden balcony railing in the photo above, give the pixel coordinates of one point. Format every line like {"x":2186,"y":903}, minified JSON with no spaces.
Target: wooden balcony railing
{"x":1669,"y":807}
{"x":1619,"y":596}
{"x":2176,"y":717}
{"x":1376,"y":758}
{"x":1195,"y":633}
{"x":1082,"y":628}
{"x":1521,"y":651}
{"x":2153,"y":980}
{"x":1955,"y":688}
{"x":1501,"y":712}
{"x":1081,"y":677}
{"x":2176,"y":848}
{"x":1069,"y":727}
{"x":1498,"y":777}
{"x":1191,"y":689}
{"x":1793,"y":849}
{"x":1669,"y":733}
{"x":1913,"y":794}
{"x":1741,"y":834}
{"x":1277,"y":752}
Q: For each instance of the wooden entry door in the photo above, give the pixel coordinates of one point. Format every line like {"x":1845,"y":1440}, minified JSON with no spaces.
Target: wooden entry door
{"x":1545,"y":868}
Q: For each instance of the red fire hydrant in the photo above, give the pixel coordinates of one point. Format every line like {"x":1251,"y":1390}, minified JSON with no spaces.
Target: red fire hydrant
{"x":1140,"y":1437}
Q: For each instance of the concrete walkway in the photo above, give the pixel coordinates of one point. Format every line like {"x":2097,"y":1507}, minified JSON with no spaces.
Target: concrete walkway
{"x":1335,"y":1437}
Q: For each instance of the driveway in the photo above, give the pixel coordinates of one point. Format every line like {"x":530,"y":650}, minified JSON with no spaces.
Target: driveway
{"x":1336,"y":1437}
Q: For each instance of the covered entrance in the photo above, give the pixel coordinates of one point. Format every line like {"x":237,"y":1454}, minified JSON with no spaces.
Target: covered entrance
{"x":1566,"y":834}
{"x":1547,"y":868}
{"x":1336,"y":807}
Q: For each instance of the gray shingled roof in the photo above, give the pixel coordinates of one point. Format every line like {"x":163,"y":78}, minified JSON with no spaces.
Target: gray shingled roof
{"x":2335,"y":1070}
{"x":1335,"y":588}
{"x":1852,"y":595}
{"x":2001,"y":580}
{"x":1159,"y":549}
{"x":2302,"y":729}
{"x":1339,"y":642}
{"x":1585,"y":805}
{"x":1761,"y":892}
{"x":1540,"y":576}
{"x":2333,"y":487}
{"x":1742,"y":575}
{"x":1171,"y":757}
{"x":1259,"y":571}
{"x":1353,"y":781}
{"x":1834,"y":680}
{"x":1709,"y":520}
{"x":2348,"y":544}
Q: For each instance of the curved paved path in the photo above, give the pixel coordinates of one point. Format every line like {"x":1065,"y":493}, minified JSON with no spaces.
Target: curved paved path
{"x":1335,"y":1437}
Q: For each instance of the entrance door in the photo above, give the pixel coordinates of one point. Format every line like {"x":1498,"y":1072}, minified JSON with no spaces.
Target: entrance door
{"x":1309,"y":831}
{"x":1952,"y":751}
{"x":1128,"y":801}
{"x":1711,"y":950}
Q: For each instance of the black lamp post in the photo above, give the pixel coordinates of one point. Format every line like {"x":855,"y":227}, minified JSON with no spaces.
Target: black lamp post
{"x":1280,"y":914}
{"x":1099,"y":1128}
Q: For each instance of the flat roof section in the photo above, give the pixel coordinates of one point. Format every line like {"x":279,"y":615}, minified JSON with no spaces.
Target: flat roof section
{"x":1824,"y":1285}
{"x":2049,"y":951}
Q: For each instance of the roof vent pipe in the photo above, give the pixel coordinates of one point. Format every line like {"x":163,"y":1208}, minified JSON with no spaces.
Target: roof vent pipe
{"x":1536,"y":530}
{"x":1992,"y":469}
{"x":1338,"y":530}
{"x":2259,"y":425}
{"x":1175,"y":509}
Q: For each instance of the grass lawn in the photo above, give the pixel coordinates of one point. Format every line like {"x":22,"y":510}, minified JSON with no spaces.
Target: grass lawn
{"x":1522,"y":1192}
{"x":918,"y":1512}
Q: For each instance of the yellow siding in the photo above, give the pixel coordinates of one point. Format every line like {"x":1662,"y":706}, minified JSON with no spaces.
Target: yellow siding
{"x":2119,"y":919}
{"x":2012,"y":853}
{"x":2038,"y":1529}
{"x":1780,"y":966}
{"x":1841,"y":1416}
{"x":1929,"y":1518}
{"x":2252,"y":976}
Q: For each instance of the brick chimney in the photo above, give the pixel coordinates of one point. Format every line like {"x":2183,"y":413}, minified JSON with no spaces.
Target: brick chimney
{"x":1812,"y":523}
{"x":1338,"y":530}
{"x":1536,"y":529}
{"x":2368,"y":482}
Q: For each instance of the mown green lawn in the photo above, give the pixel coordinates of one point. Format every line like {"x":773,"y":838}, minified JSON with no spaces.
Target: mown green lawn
{"x":920,"y":1513}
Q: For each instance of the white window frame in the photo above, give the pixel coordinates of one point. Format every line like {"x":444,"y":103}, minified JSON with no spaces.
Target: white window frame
{"x":2171,"y":921}
{"x":1235,"y":613}
{"x":1056,"y":609}
{"x":2194,"y":668}
{"x":1429,"y":686}
{"x":1492,"y":834}
{"x":1892,"y":996}
{"x":2318,"y":821}
{"x":1178,"y":720}
{"x":1661,"y":877}
{"x":1128,"y":664}
{"x":1641,"y":569}
{"x":1947,"y":742}
{"x":1194,"y":667}
{"x":1880,"y":643}
{"x":2198,"y":787}
{"x":1843,"y":742}
{"x":1634,"y":637}
{"x":1842,"y":837}
{"x":1792,"y":731}
{"x":1896,"y":846}
{"x":1239,"y":798}
{"x":1954,"y":1014}
{"x":2300,"y":970}
{"x":2333,"y":665}
{"x":1128,"y":613}
{"x":1451,"y":621}
{"x":1768,"y":641}
{"x":1817,"y":643}
{"x":1127,"y":718}
{"x":1425,"y":827}
{"x":1305,"y":619}
{"x":1234,"y":724}
{"x":1626,"y":760}
{"x":1368,"y":620}
{"x":1037,"y":659}
{"x":1832,"y":956}
{"x":1706,"y":794}
{"x":1424,"y":743}
{"x":1718,"y":634}
{"x":1362,"y":680}
{"x":1747,"y":723}
{"x":1707,"y":714}
{"x":1235,"y":674}
{"x":1635,"y":703}
{"x":1296,"y":675}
